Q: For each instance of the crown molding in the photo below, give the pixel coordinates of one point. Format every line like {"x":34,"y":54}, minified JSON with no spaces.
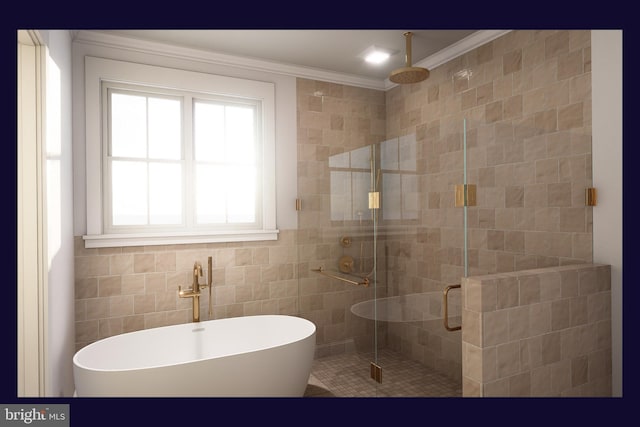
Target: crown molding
{"x":161,"y":49}
{"x":30,"y":37}
{"x":130,"y":44}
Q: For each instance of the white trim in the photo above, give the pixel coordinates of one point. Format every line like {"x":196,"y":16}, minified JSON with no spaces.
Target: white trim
{"x":128,"y":44}
{"x":607,"y":151}
{"x":160,"y":49}
{"x":461,"y":47}
{"x":119,"y":240}
{"x":32,"y":254}
{"x":100,"y":69}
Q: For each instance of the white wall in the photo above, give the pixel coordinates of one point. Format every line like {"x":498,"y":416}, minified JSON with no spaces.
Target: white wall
{"x":606,"y":74}
{"x":193,"y":60}
{"x":58,"y":166}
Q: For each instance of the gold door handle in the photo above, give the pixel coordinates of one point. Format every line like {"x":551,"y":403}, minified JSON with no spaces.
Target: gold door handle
{"x":445,"y":304}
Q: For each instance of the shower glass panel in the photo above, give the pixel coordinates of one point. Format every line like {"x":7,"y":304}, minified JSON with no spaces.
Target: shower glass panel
{"x":386,"y":228}
{"x":380,"y":238}
{"x":337,"y":243}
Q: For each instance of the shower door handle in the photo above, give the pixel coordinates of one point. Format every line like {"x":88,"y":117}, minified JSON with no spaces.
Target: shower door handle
{"x":445,"y":304}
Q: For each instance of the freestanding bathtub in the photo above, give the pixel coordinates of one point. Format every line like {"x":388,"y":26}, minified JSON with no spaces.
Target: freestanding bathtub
{"x":252,"y":356}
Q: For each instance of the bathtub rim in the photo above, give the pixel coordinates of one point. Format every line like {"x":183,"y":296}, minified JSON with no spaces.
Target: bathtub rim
{"x":303,"y":337}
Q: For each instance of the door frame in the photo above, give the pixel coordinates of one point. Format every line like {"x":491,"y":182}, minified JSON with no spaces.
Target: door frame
{"x":31,"y":231}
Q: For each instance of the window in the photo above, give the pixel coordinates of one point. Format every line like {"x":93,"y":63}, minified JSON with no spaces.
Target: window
{"x":148,"y":157}
{"x":181,"y":157}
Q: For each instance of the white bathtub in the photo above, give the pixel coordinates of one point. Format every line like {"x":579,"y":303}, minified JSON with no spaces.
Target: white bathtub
{"x":253,"y":356}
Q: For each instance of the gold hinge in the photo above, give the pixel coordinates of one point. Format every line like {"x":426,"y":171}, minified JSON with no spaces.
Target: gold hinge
{"x":376,"y":372}
{"x":374,"y":200}
{"x":465,"y":195}
{"x":298,"y":204}
{"x":590,"y":197}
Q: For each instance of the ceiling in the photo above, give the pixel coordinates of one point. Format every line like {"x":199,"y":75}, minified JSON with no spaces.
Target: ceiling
{"x":336,"y":51}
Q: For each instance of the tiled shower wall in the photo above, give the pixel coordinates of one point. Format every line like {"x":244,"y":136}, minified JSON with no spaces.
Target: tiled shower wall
{"x":526,"y":100}
{"x":526,"y":97}
{"x":541,"y":332}
{"x":333,"y":119}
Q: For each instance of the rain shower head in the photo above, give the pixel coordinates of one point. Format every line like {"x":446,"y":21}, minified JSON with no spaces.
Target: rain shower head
{"x":408,"y":74}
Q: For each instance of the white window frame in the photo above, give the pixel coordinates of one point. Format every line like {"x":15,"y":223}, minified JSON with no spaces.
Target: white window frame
{"x":98,"y":70}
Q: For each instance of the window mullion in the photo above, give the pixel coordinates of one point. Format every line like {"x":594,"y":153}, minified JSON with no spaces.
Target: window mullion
{"x":106,"y":184}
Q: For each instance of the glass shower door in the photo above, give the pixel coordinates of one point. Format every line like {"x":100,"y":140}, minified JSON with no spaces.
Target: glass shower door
{"x":337,"y":251}
{"x":380,"y":237}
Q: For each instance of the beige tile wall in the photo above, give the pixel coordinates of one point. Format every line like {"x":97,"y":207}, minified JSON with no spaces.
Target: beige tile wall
{"x":126,"y":289}
{"x":527,"y":103}
{"x":333,"y":119}
{"x":541,"y":332}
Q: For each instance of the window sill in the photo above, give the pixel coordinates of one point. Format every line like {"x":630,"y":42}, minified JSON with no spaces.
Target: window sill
{"x":122,"y":240}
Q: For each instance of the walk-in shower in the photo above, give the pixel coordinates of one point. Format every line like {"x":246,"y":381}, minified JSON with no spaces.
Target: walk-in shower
{"x":479,"y":170}
{"x":374,"y":267}
{"x":402,"y":222}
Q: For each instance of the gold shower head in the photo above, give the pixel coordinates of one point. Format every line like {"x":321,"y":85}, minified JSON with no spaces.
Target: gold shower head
{"x":408,"y":74}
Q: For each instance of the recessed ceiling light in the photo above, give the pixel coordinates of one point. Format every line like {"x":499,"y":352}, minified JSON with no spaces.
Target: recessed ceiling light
{"x":376,"y":55}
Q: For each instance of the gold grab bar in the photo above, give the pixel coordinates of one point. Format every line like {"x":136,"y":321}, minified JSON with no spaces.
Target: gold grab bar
{"x":445,"y":304}
{"x":365,"y":281}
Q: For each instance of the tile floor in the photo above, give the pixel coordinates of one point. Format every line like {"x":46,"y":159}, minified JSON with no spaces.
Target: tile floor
{"x":348,"y":375}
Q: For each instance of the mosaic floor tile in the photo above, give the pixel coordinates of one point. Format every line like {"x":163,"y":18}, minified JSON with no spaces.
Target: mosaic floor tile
{"x":348,"y":375}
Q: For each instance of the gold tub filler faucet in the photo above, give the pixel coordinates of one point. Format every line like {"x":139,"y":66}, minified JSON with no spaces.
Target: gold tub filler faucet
{"x":196,"y":287}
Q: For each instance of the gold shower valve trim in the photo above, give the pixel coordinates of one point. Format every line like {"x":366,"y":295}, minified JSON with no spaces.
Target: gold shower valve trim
{"x":345,"y":264}
{"x":465,"y":195}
